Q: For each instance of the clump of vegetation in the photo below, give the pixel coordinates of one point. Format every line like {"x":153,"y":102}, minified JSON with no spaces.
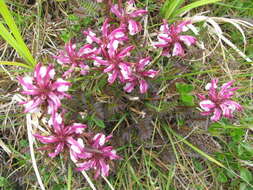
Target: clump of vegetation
{"x":119,"y":92}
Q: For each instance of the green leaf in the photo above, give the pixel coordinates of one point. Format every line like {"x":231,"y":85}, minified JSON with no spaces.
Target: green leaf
{"x":187,"y":99}
{"x":184,"y":88}
{"x":98,"y":122}
{"x":246,"y":175}
{"x":247,"y":147}
{"x":3,"y":182}
{"x":222,"y":177}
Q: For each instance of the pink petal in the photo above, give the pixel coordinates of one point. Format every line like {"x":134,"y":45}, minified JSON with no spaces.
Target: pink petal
{"x":58,"y":149}
{"x":129,"y":87}
{"x":138,"y":13}
{"x":84,"y":166}
{"x":125,"y":52}
{"x":125,"y":71}
{"x":32,"y":105}
{"x":112,"y":76}
{"x":77,"y":128}
{"x":217,"y":115}
{"x":105,"y":27}
{"x":134,"y":27}
{"x":117,"y":11}
{"x":150,"y":73}
{"x":46,"y":139}
{"x":84,"y":69}
{"x":188,"y":40}
{"x":104,"y":168}
{"x":143,"y":86}
{"x":142,"y":63}
{"x":181,"y":27}
{"x":207,"y":105}
{"x":61,"y":85}
{"x":99,"y":139}
{"x":177,"y":50}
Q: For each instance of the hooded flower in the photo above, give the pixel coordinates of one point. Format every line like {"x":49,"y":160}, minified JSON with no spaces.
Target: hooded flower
{"x":43,"y":89}
{"x":110,"y":38}
{"x":115,"y":65}
{"x":96,"y":155}
{"x":138,"y":76}
{"x":127,"y":16}
{"x":219,"y":102}
{"x":76,"y":58}
{"x":171,"y":41}
{"x":62,"y":136}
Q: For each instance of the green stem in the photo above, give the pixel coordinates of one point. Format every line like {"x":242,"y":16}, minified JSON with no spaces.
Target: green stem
{"x":69,"y":176}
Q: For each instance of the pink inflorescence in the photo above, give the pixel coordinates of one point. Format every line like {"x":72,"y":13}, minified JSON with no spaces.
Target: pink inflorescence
{"x":127,"y":16}
{"x":138,"y":75}
{"x":171,"y":41}
{"x":219,"y":102}
{"x":43,"y":89}
{"x":114,"y":58}
{"x":94,"y":155}
{"x":76,"y":59}
{"x":63,"y":136}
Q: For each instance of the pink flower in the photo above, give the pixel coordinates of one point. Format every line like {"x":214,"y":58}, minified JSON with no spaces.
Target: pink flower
{"x":62,"y":137}
{"x":127,"y":16}
{"x":43,"y":89}
{"x":139,"y":74}
{"x":96,"y":155}
{"x":219,"y":103}
{"x":170,"y":40}
{"x":110,"y":37}
{"x":76,"y":58}
{"x":116,"y":67}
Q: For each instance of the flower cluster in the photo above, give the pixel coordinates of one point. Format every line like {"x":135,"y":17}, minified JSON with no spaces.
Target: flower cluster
{"x":171,"y":41}
{"x":219,"y":102}
{"x":46,"y":93}
{"x":111,"y":52}
{"x":93,"y":154}
{"x":43,"y":89}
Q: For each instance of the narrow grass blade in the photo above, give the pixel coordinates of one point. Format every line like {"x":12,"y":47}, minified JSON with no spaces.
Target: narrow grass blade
{"x":195,"y":148}
{"x":192,"y":6}
{"x":14,"y":64}
{"x":26,"y":54}
{"x":10,"y":40}
{"x":167,"y":128}
{"x":170,"y":6}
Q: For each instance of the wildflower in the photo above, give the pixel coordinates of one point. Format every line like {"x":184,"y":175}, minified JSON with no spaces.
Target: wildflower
{"x":43,"y":89}
{"x":76,"y":58}
{"x":97,"y":155}
{"x":62,"y":137}
{"x":127,"y":16}
{"x":115,"y":65}
{"x":139,"y":74}
{"x":172,"y":41}
{"x":219,"y":103}
{"x":110,"y":37}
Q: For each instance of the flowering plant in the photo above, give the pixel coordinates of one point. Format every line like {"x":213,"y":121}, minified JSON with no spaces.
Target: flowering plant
{"x":219,"y":102}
